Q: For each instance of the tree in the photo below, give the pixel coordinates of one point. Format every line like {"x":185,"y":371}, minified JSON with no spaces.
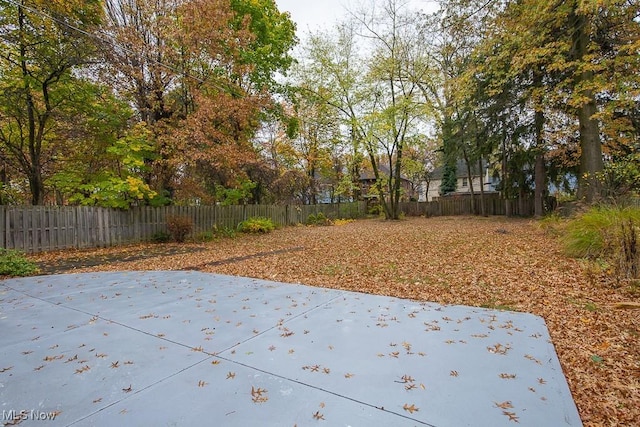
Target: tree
{"x":273,"y":38}
{"x":109,"y":171}
{"x":419,"y":163}
{"x":315,"y":140}
{"x":200,"y":74}
{"x":380,"y":102}
{"x":40,"y":50}
{"x":572,"y":54}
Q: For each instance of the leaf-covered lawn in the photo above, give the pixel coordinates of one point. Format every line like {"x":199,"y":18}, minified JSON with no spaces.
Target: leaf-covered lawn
{"x":494,"y":262}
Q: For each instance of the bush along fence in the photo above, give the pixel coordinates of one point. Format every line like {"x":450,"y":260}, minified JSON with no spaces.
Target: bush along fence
{"x":46,"y":228}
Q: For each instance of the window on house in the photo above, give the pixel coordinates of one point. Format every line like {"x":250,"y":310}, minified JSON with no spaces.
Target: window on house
{"x":465,"y":182}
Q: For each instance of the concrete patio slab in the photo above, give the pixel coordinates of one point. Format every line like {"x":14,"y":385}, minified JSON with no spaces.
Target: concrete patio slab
{"x":185,"y":348}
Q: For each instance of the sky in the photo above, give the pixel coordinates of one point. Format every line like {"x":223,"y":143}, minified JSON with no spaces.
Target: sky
{"x":313,"y":15}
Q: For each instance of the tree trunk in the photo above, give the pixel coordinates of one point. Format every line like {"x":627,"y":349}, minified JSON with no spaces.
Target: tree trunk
{"x":34,"y":173}
{"x":521,"y":205}
{"x":312,"y":185}
{"x":540,"y":184}
{"x":449,"y":178}
{"x":539,"y":169}
{"x":378,"y":184}
{"x":505,"y":179}
{"x":470,"y":179}
{"x":36,"y":186}
{"x":591,"y":163}
{"x":397,"y":183}
{"x":4,"y":181}
{"x":483,"y":208}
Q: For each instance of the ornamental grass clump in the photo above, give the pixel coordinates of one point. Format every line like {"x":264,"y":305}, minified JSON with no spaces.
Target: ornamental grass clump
{"x":607,"y":233}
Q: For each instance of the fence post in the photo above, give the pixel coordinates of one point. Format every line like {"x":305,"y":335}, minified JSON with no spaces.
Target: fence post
{"x":3,"y":226}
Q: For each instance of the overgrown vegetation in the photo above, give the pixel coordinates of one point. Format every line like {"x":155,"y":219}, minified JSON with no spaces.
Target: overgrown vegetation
{"x":318,"y":219}
{"x":257,"y":225}
{"x":161,"y":237}
{"x":14,"y":263}
{"x":224,"y":231}
{"x":609,"y":236}
{"x":204,"y":236}
{"x":321,"y":220}
{"x":179,"y":227}
{"x":214,"y":234}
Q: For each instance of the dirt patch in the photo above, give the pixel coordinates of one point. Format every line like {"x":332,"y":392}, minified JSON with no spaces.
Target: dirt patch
{"x":64,"y":262}
{"x":487,"y":262}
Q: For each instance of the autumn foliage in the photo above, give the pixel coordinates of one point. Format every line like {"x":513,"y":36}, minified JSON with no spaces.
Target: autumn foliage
{"x":197,"y":75}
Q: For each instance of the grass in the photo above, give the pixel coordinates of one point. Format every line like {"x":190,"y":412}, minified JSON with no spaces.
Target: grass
{"x":609,"y":237}
{"x":595,"y":233}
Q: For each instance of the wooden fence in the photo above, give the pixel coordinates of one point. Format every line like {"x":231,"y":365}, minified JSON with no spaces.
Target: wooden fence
{"x":462,"y":205}
{"x":47,"y":228}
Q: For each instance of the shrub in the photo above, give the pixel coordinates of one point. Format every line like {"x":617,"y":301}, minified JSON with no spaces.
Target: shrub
{"x":607,"y":233}
{"x":179,"y":227}
{"x":224,"y":231}
{"x":321,"y":219}
{"x":552,"y":224}
{"x":14,"y":263}
{"x":376,"y":210}
{"x":318,"y":219}
{"x":161,"y":237}
{"x":205,"y":236}
{"x":256,"y":225}
{"x":312,"y":219}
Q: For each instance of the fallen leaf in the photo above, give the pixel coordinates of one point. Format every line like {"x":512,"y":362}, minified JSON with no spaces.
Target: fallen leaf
{"x":411,"y":409}
{"x":504,"y":405}
{"x":603,"y":396}
{"x":512,"y":416}
{"x":83,"y":369}
{"x":258,"y":395}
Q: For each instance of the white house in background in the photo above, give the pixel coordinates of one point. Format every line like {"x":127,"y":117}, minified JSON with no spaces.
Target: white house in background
{"x":431,"y":189}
